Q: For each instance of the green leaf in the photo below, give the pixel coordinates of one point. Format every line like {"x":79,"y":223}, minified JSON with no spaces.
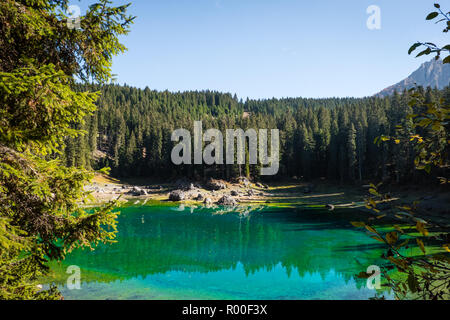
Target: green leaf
{"x":401,"y":263}
{"x":358,"y":224}
{"x":392,"y":237}
{"x":404,"y":243}
{"x":421,"y":245}
{"x":446,"y":60}
{"x":432,"y":15}
{"x":420,"y":226}
{"x":413,"y":284}
{"x":397,"y":227}
{"x":371,"y":229}
{"x":426,"y":51}
{"x":377,"y":238}
{"x":414,"y":47}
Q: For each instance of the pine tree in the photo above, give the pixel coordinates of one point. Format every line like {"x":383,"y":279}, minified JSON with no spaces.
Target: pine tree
{"x":327,"y":122}
{"x":351,"y":152}
{"x":360,"y":149}
{"x":40,"y":214}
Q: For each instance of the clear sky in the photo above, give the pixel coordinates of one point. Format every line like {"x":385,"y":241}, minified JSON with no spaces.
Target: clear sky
{"x":274,"y":48}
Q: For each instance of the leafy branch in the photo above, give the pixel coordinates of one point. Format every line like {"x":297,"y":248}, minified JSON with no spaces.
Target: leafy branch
{"x":430,"y":47}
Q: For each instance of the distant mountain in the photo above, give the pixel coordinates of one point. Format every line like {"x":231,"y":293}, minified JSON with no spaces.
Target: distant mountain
{"x":433,"y":74}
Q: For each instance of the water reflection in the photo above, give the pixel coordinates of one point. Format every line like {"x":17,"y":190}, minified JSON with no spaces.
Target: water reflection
{"x":244,"y":251}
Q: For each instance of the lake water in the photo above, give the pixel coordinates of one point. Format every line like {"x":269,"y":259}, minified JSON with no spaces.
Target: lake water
{"x":169,"y":252}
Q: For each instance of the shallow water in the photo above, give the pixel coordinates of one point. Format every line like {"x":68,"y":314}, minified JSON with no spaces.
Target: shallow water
{"x":168,"y":252}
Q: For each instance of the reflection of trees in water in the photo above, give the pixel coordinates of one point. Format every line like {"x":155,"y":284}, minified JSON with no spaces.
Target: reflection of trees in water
{"x":166,"y":240}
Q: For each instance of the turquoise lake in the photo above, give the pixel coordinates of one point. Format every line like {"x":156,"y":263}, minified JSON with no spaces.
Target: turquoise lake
{"x":171,"y":252}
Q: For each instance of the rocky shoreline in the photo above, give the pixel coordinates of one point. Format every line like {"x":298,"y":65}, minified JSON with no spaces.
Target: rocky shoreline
{"x":434,"y":204}
{"x":209,"y":192}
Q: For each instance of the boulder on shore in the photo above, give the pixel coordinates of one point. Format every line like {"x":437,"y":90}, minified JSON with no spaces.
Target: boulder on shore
{"x":199,"y":197}
{"x":135,"y":191}
{"x":208,"y":201}
{"x":227,"y":201}
{"x":244,"y":181}
{"x":214,"y":184}
{"x":177,"y":195}
{"x":182,"y":184}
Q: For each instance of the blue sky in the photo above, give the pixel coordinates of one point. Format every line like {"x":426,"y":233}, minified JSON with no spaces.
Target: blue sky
{"x":273,"y":48}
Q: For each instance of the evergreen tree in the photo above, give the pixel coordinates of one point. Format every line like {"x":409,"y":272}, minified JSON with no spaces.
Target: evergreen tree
{"x":314,"y":133}
{"x":351,"y":152}
{"x":40,"y":214}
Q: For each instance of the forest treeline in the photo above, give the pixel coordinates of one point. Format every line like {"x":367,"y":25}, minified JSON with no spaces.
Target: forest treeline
{"x":319,"y":138}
